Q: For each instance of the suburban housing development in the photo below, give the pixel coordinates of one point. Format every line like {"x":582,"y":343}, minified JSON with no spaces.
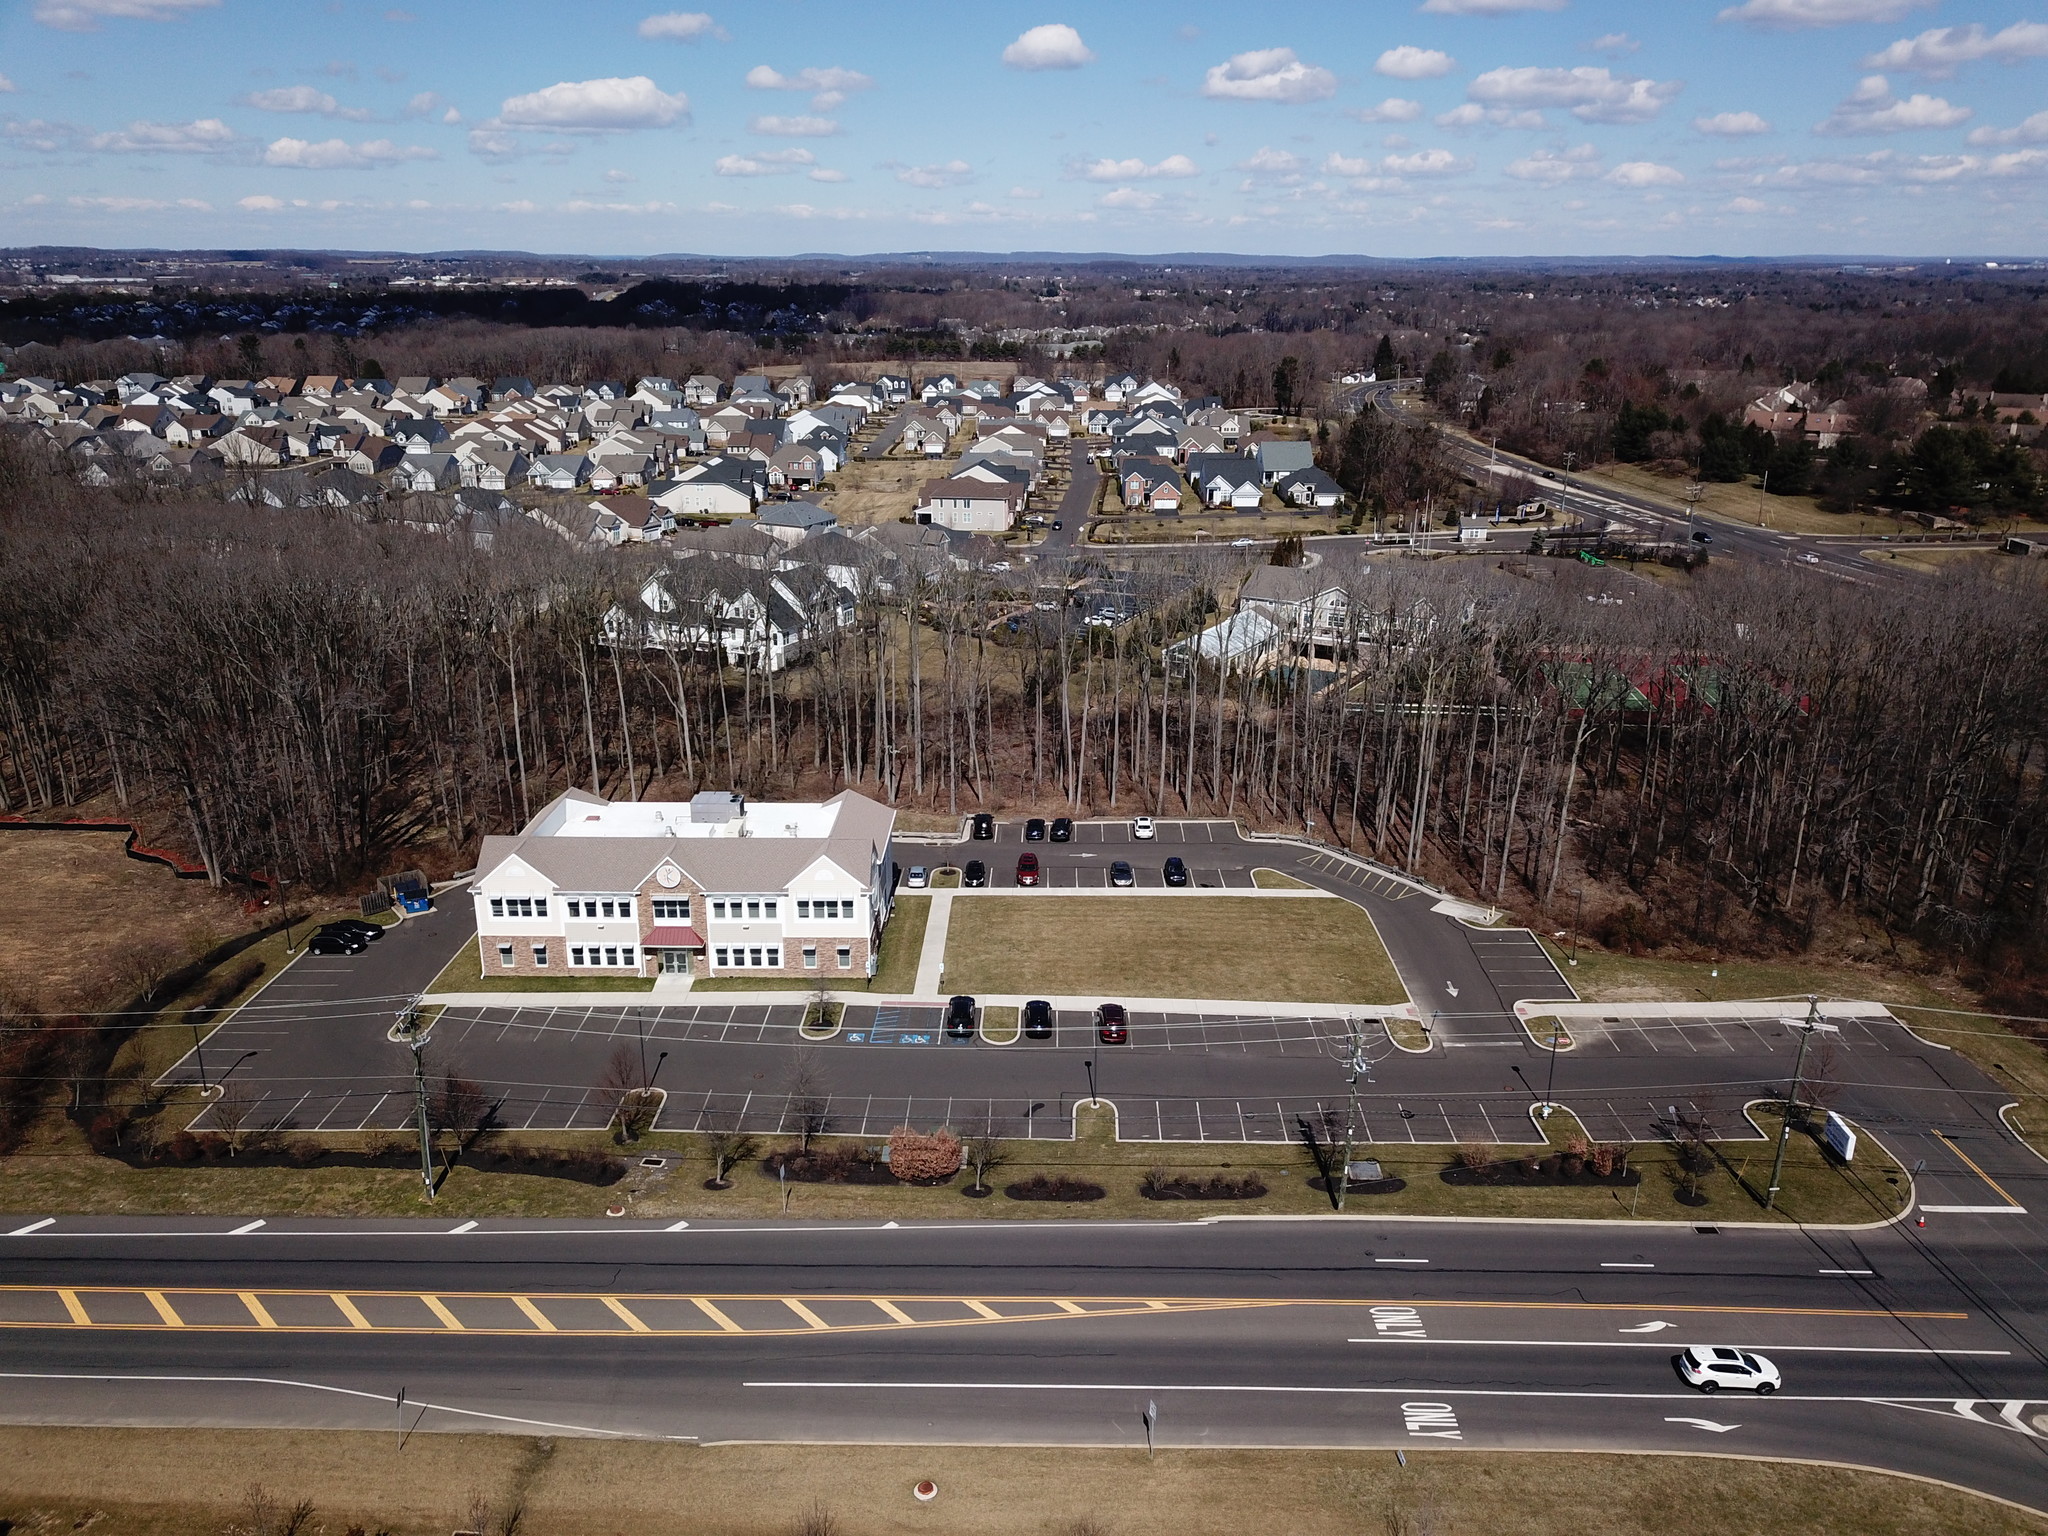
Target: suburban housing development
{"x":701,"y":887}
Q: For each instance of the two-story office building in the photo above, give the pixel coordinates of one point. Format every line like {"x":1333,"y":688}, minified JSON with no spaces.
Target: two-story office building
{"x":711,"y":886}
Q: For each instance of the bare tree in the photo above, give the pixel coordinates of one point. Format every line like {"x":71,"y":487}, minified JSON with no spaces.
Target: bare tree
{"x":984,"y":1151}
{"x":622,"y":1089}
{"x":809,"y":1096}
{"x":233,"y":1109}
{"x":729,"y":1146}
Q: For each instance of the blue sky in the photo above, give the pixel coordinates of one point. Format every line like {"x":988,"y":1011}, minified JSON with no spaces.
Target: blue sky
{"x":1379,"y":127}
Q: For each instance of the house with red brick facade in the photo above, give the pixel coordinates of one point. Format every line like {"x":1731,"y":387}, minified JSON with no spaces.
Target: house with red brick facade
{"x":710,"y":886}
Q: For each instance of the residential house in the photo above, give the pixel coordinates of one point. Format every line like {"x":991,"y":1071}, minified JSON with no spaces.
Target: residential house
{"x":1309,"y":488}
{"x":1150,"y":485}
{"x":1281,"y":457}
{"x":1310,"y":606}
{"x":971,"y":505}
{"x":1225,"y":480}
{"x":559,"y":471}
{"x":795,"y":521}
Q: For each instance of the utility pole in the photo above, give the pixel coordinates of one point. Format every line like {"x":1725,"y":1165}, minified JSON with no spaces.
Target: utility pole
{"x":1808,"y":1027}
{"x":1578,"y":912}
{"x":409,"y":1033}
{"x":1356,"y":1065}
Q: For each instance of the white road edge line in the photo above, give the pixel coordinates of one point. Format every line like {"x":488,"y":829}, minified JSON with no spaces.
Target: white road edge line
{"x":1776,"y":1349}
{"x":1848,"y":1271}
{"x":1622,"y":1264}
{"x":1400,"y":1261}
{"x":34,"y":1226}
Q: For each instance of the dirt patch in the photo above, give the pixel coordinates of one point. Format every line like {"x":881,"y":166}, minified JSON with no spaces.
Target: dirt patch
{"x":79,"y":903}
{"x":867,"y":491}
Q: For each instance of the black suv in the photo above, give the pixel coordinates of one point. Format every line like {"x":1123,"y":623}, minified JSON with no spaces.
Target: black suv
{"x":1034,"y":830}
{"x":1176,"y":871}
{"x":984,"y":827}
{"x":975,"y":875}
{"x":1038,"y":1019}
{"x":960,"y":1018}
{"x":1063,"y":829}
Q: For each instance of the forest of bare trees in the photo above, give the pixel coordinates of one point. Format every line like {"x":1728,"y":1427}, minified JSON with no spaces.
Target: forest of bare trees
{"x":309,"y":696}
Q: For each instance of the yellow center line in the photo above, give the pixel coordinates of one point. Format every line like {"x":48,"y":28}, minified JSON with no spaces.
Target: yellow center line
{"x":163,"y":1309}
{"x":717,"y":1316}
{"x":1959,"y":1152}
{"x":348,"y":1310}
{"x":805,"y":1313}
{"x":73,"y":1306}
{"x":257,"y":1310}
{"x":534,"y":1315}
{"x":892,"y":1311}
{"x":619,"y":1310}
{"x":439,"y":1308}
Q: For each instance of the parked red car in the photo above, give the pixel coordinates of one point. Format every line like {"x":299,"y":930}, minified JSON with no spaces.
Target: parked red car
{"x":1027,"y":869}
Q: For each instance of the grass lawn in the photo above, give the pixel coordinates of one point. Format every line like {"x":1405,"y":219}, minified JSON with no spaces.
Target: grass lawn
{"x":999,"y":1025}
{"x":882,"y":490}
{"x":895,"y":970}
{"x":72,"y":1180}
{"x":196,"y":1482}
{"x":1610,"y":978}
{"x":1273,"y":880}
{"x":1738,"y":503}
{"x":465,"y":974}
{"x":1933,"y":559}
{"x":1156,"y":946}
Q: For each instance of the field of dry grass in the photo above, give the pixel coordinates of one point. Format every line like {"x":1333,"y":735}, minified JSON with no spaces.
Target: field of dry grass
{"x":868,"y":491}
{"x":78,"y":901}
{"x":197,"y":1482}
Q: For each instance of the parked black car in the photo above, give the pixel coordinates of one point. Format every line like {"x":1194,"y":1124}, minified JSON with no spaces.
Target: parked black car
{"x":960,"y":1018}
{"x":1112,"y":1027}
{"x":1120,"y":873}
{"x":984,"y":827}
{"x":1063,"y":829}
{"x":369,"y":933}
{"x":1034,"y":830}
{"x":1176,"y":871}
{"x":1038,"y":1019}
{"x":975,"y":875}
{"x":327,"y":942}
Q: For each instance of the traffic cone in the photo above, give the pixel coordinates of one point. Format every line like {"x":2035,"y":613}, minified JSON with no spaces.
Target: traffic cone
{"x":1921,"y":1222}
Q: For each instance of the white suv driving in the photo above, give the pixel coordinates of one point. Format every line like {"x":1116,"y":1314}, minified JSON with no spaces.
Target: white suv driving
{"x":1711,"y":1368}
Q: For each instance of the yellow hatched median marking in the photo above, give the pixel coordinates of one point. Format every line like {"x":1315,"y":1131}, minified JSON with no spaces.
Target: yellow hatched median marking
{"x":256,"y":1309}
{"x":439,"y":1308}
{"x":164,"y":1310}
{"x":348,"y":1310}
{"x":619,"y":1310}
{"x":1071,"y":1309}
{"x":893,"y":1312}
{"x":717,"y":1316}
{"x":538,"y":1318}
{"x":983,"y":1309}
{"x":75,"y":1308}
{"x":805,"y":1313}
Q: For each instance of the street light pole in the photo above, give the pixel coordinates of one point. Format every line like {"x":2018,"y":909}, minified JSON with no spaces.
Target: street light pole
{"x":1089,"y":1063}
{"x":1550,"y":1083}
{"x":1578,"y":912}
{"x":1808,"y":1028}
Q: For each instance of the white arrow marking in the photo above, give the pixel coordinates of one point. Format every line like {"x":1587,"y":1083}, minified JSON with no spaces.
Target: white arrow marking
{"x":1450,"y":989}
{"x":1657,"y":1327}
{"x":1706,"y":1424}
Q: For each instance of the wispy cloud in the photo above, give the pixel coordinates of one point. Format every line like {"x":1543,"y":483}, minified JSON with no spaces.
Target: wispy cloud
{"x":1269,"y":74}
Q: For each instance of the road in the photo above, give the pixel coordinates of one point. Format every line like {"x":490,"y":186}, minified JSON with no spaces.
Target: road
{"x":1896,"y":1352}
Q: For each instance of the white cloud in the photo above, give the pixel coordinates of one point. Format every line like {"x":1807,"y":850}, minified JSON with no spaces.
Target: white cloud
{"x":426,"y":104}
{"x":1128,"y":197}
{"x":830,"y":86}
{"x":1940,"y":50}
{"x":302,"y":98}
{"x":1885,"y":166}
{"x":1471,"y":115}
{"x":494,"y":144}
{"x":1052,"y":46}
{"x":86,"y":15}
{"x":1594,"y":94}
{"x":1818,"y":13}
{"x":1272,"y":162}
{"x":1335,"y":164}
{"x":1395,"y":109}
{"x":1871,"y":108}
{"x":2033,"y":131}
{"x":1747,"y":205}
{"x":1550,"y":168}
{"x":619,"y":178}
{"x":1616,"y":43}
{"x":6,"y":85}
{"x":795,"y":127}
{"x":1135,"y":169}
{"x":1408,"y":62}
{"x":1026,"y":194}
{"x":1645,"y":173}
{"x":340,"y":155}
{"x":1487,"y":7}
{"x":1731,"y":125}
{"x":138,"y":204}
{"x":207,"y":136}
{"x":1269,"y":74}
{"x":592,"y":105}
{"x":262,"y":202}
{"x":1426,"y":162}
{"x":949,"y":174}
{"x":822,"y":174}
{"x":769,"y":162}
{"x":680,"y":26}
{"x":581,"y":205}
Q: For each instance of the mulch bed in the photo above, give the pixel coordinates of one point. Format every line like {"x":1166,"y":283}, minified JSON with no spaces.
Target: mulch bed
{"x":1039,"y":1187}
{"x":827,"y":1167}
{"x":1362,"y":1186}
{"x":1216,"y":1187}
{"x":1538,"y":1171}
{"x":210,"y":1150}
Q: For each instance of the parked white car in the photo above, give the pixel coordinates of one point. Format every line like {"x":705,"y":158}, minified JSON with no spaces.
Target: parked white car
{"x":1712,"y":1367}
{"x":918,"y":879}
{"x":1141,"y":828}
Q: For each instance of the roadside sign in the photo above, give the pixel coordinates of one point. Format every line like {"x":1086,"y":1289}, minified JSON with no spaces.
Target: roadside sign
{"x":1841,"y":1137}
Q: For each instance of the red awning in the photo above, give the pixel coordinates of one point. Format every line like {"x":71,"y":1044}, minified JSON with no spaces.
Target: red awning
{"x":672,"y":938}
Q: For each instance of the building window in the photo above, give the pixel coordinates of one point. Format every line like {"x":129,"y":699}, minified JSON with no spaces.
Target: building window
{"x":754,"y":957}
{"x":671,"y":911}
{"x":505,"y":956}
{"x":718,"y":910}
{"x":575,"y":909}
{"x":626,"y":957}
{"x":775,"y":959}
{"x":810,"y":957}
{"x":721,"y":957}
{"x":497,"y":906}
{"x":753,"y":909}
{"x":611,"y":956}
{"x":540,"y":907}
{"x":845,"y":957}
{"x":626,"y":908}
{"x":803,"y":908}
{"x":768,"y":909}
{"x":607,"y":909}
{"x":540,"y":956}
{"x":576,"y":954}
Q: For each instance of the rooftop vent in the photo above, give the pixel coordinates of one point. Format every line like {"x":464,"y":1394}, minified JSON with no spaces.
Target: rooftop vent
{"x":716,"y":806}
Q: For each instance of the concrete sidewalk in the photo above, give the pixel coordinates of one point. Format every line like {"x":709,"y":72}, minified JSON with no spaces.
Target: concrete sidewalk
{"x":931,"y":959}
{"x":701,"y":998}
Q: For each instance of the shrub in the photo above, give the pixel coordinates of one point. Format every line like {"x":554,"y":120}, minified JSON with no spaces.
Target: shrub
{"x":214,"y":1146}
{"x":185,"y":1147}
{"x":1039,"y":1187}
{"x":104,"y":1133}
{"x":1576,"y":1146}
{"x":918,"y":1159}
{"x":302,"y":1153}
{"x":1608,"y":1160}
{"x":1476,"y":1154}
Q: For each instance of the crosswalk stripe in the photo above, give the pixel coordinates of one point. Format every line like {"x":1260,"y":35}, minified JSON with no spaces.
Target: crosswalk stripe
{"x":983,"y":1309}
